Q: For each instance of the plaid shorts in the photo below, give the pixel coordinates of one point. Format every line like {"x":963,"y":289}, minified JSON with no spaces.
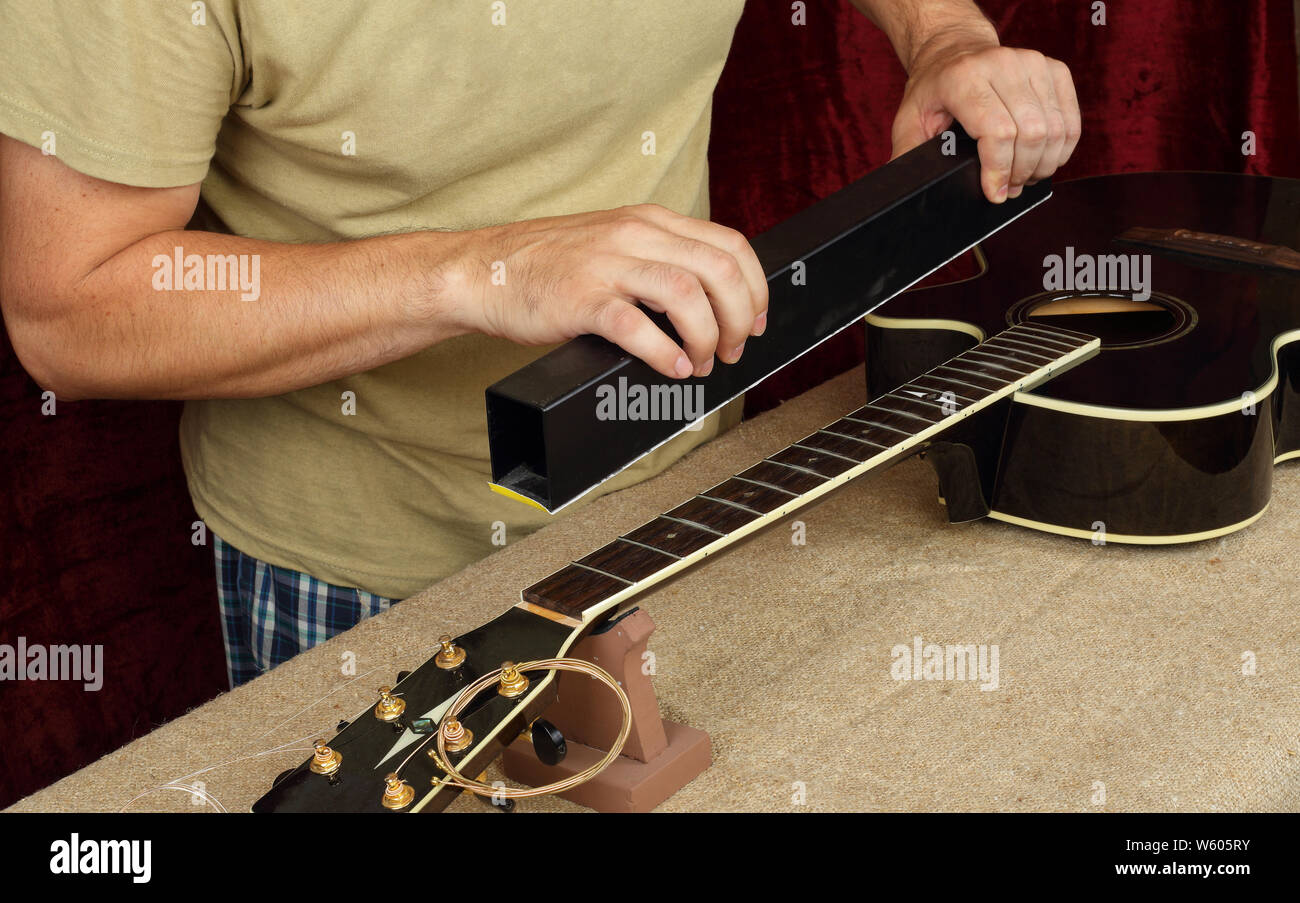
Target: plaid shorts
{"x":269,"y":614}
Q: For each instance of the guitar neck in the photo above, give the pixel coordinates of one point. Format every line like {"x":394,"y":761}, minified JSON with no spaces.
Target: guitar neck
{"x":871,"y":438}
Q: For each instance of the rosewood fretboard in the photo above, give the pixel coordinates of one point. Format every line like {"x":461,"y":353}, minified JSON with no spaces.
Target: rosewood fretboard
{"x":877,"y":434}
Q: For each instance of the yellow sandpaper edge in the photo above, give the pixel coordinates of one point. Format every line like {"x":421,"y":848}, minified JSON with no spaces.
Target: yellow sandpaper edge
{"x":511,"y":494}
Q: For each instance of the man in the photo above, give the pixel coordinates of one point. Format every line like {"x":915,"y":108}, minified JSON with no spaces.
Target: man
{"x":391,"y":206}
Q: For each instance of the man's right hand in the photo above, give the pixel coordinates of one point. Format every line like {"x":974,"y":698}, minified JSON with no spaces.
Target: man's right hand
{"x":547,"y":280}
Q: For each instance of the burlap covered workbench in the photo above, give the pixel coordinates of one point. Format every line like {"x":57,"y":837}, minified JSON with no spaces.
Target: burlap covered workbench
{"x":1121,"y":682}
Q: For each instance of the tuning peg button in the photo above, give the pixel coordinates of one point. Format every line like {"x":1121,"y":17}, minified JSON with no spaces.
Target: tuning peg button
{"x":548,"y":742}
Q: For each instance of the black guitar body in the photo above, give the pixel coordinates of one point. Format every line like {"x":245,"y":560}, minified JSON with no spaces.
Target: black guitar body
{"x":1169,"y":434}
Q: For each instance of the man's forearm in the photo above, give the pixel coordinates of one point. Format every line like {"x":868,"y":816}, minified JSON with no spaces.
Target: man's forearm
{"x":320,"y":312}
{"x":911,"y":25}
{"x":105,"y":295}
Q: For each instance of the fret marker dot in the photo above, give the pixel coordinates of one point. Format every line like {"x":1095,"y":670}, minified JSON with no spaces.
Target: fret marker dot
{"x":671,"y":536}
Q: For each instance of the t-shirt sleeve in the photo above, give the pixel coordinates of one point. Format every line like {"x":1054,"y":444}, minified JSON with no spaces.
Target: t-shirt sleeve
{"x":130,"y":91}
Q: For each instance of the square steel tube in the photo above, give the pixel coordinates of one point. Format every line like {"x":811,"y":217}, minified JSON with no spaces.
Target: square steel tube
{"x":549,"y":438}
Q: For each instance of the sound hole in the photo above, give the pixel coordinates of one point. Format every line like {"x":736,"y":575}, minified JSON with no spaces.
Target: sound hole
{"x":1119,"y":321}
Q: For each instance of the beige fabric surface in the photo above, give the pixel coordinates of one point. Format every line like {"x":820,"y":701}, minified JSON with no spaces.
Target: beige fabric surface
{"x":1119,"y":666}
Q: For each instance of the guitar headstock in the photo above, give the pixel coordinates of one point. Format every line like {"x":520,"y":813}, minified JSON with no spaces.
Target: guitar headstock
{"x":396,"y":733}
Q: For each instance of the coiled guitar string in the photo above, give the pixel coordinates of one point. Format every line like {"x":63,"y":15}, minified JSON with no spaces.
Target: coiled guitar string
{"x":466,"y":696}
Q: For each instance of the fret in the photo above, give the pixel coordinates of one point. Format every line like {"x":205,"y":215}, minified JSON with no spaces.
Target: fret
{"x":595,"y":570}
{"x":633,"y":542}
{"x":1050,"y":336}
{"x":1033,"y":351}
{"x":1003,"y":376}
{"x":1048,"y":345}
{"x":783,"y":477}
{"x":687,"y":522}
{"x":863,"y":432}
{"x":1030,"y":361}
{"x":742,"y":507}
{"x":802,"y":447}
{"x":1003,"y":362}
{"x":627,"y":560}
{"x":914,"y":395}
{"x":758,"y":497}
{"x":961,"y":391}
{"x":671,"y":537}
{"x":822,"y":465}
{"x":929,"y":411}
{"x":761,"y":483}
{"x":1047,"y":341}
{"x":843,"y":446}
{"x":712,"y":515}
{"x":886,"y":405}
{"x":890,"y":420}
{"x":990,"y":384}
{"x":572,"y":590}
{"x":1069,"y":337}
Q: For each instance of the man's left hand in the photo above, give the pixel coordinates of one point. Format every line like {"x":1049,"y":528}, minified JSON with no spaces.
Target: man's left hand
{"x":1018,"y":104}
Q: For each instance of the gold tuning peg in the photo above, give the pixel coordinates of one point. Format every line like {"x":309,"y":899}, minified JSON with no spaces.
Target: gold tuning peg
{"x":390,"y":707}
{"x":457,"y":736}
{"x":397,"y":793}
{"x":450,"y":655}
{"x":325,"y":760}
{"x":513,"y":683}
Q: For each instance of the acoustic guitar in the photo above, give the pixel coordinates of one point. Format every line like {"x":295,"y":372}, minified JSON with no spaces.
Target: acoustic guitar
{"x":1076,"y":408}
{"x":1192,"y":283}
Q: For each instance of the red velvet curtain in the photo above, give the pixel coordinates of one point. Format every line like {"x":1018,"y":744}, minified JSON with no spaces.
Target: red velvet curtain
{"x":94,"y":518}
{"x":95,"y":549}
{"x":802,"y":110}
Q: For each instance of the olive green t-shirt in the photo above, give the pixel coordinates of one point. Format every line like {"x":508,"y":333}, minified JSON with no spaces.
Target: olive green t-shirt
{"x":315,"y":120}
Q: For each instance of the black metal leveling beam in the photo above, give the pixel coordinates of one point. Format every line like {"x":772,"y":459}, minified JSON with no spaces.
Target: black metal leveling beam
{"x":827,"y":267}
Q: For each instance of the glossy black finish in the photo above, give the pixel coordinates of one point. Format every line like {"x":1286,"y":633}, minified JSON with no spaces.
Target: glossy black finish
{"x":367,"y":743}
{"x":548,"y":742}
{"x":1286,"y":400}
{"x":1144,"y":478}
{"x":1135,"y":478}
{"x":857,"y":248}
{"x":958,"y":468}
